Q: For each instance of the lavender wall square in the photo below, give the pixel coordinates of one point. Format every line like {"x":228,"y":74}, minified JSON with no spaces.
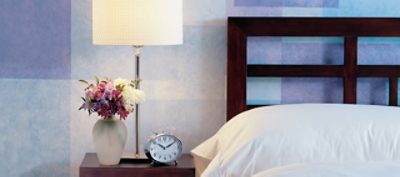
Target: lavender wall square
{"x":330,"y":3}
{"x":330,"y":90}
{"x":303,"y":3}
{"x":264,"y":50}
{"x":313,"y":53}
{"x":268,"y":3}
{"x":379,"y":53}
{"x":35,"y":39}
{"x":311,"y":3}
{"x":372,"y":91}
{"x":288,"y":3}
{"x":312,"y":90}
{"x":329,"y":51}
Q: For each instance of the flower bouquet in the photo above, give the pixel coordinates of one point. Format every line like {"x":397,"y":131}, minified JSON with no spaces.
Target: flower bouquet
{"x":109,"y":98}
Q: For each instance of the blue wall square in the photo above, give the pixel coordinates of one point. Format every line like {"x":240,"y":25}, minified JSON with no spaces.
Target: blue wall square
{"x":35,"y":128}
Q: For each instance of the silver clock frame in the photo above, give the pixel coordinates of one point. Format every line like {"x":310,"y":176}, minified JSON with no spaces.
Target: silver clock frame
{"x":159,"y":135}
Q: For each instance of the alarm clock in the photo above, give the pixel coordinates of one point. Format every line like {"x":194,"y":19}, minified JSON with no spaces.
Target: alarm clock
{"x":163,"y":149}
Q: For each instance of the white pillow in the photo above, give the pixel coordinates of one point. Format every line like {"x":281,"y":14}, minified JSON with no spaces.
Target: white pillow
{"x":203,"y":154}
{"x":268,"y":137}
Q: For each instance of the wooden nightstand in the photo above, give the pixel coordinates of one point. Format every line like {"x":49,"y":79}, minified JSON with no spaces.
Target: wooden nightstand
{"x":90,"y":167}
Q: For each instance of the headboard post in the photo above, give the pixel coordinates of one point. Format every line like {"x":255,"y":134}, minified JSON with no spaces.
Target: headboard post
{"x":237,"y":70}
{"x":350,"y":69}
{"x":393,"y":91}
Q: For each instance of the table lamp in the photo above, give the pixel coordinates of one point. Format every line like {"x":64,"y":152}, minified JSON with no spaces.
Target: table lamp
{"x":137,"y":23}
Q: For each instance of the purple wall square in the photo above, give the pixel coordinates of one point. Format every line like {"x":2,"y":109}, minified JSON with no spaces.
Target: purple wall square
{"x":35,"y":39}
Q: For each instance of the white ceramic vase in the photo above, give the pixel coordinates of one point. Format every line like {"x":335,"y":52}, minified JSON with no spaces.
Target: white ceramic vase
{"x":109,"y":137}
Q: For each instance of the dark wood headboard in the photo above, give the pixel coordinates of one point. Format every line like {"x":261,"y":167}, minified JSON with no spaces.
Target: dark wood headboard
{"x":239,"y":28}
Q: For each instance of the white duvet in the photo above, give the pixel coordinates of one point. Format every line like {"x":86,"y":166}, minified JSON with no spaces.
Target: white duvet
{"x":364,"y":169}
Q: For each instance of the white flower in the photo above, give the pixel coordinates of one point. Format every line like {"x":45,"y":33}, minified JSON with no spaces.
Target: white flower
{"x":139,"y":95}
{"x":128,"y":107}
{"x":131,"y":97}
{"x":121,"y":82}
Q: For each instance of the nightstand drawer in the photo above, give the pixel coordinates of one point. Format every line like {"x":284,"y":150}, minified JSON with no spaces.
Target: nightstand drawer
{"x":90,"y":167}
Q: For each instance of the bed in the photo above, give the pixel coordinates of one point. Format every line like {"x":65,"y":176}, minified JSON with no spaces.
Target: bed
{"x":300,"y":140}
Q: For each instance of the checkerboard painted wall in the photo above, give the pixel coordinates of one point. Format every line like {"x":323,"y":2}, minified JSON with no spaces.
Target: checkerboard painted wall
{"x":45,"y":47}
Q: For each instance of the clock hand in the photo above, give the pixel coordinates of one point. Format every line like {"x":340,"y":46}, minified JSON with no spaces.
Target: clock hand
{"x":169,"y":145}
{"x":161,"y":146}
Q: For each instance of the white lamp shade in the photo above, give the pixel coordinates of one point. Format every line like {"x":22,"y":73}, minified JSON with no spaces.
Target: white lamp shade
{"x":137,"y":22}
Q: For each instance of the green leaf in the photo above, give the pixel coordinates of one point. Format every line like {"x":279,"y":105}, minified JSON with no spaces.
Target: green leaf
{"x":85,"y":82}
{"x":91,"y":85}
{"x":97,"y":80}
{"x":134,"y":83}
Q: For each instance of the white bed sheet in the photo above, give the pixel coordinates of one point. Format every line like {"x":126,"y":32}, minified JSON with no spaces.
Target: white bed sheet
{"x":357,"y":169}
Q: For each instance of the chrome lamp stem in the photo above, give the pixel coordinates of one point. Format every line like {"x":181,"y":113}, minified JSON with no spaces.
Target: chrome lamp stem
{"x":137,"y":86}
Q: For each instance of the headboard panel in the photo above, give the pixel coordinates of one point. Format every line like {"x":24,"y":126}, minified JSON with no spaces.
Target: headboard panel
{"x":239,"y":28}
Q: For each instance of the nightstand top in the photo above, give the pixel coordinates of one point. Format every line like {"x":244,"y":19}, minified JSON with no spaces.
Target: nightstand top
{"x":90,"y":167}
{"x":91,"y":161}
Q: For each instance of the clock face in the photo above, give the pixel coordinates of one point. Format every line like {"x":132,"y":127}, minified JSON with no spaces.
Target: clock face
{"x":165,"y":148}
